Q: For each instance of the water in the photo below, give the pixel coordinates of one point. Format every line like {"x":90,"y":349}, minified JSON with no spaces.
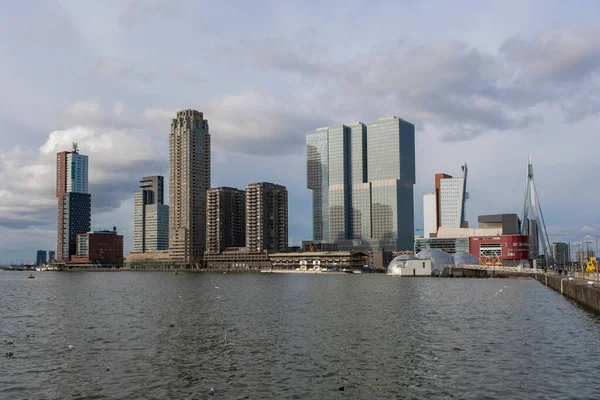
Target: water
{"x":291,"y":336}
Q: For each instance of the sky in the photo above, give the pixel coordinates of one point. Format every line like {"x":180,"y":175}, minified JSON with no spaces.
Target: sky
{"x":487,"y":83}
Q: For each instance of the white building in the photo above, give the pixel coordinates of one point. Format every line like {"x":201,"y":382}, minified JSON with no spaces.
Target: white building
{"x":429,"y":215}
{"x":399,"y":267}
{"x":445,"y":207}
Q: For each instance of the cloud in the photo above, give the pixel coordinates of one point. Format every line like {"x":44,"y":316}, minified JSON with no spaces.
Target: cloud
{"x":453,"y":85}
{"x":112,"y":67}
{"x":253,"y":123}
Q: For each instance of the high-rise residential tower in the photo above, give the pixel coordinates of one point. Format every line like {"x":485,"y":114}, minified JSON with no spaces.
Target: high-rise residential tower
{"x":362,"y":178}
{"x":266,"y":217}
{"x":225,"y":219}
{"x":151,"y":216}
{"x":445,"y":207}
{"x":74,"y":201}
{"x":189,"y":180}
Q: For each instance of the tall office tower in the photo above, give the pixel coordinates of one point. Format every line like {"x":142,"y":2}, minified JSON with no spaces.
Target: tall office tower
{"x":74,"y":201}
{"x":560,"y":253}
{"x":151,"y":216}
{"x":225,"y":219}
{"x":266,"y":217}
{"x":391,"y":171}
{"x":189,"y":180}
{"x":51,"y":255}
{"x":362,"y":179}
{"x":40,"y":257}
{"x":445,"y":207}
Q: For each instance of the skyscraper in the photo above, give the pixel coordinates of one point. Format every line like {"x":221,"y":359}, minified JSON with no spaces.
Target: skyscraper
{"x":40,"y":257}
{"x":445,"y":207}
{"x":225,"y":219}
{"x":266,"y":217}
{"x":189,"y":180}
{"x":362,"y":179}
{"x":151,"y":216}
{"x":74,"y":201}
{"x":560,"y":253}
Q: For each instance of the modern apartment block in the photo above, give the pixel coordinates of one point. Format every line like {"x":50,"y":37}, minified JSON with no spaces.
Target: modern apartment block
{"x":189,"y":180}
{"x":225,"y":219}
{"x":151,"y":216}
{"x":445,"y":207}
{"x":362,"y":178}
{"x":74,"y":201}
{"x":561,"y":253}
{"x":266,"y":217}
{"x":40,"y":257}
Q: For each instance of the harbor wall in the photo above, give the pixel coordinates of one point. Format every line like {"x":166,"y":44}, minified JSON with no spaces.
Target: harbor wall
{"x":580,"y":291}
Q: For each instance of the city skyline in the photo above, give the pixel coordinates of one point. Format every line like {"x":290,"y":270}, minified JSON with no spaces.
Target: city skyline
{"x":518,"y":89}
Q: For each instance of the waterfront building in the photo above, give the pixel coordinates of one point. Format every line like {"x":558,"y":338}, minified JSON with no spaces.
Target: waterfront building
{"x":189,"y":180}
{"x":40,"y":257}
{"x":74,"y":201}
{"x":560,"y":253}
{"x":324,"y":260}
{"x":225,"y":219}
{"x":151,"y":216}
{"x":445,"y":207}
{"x":51,"y":256}
{"x":100,"y":248}
{"x":362,"y":177}
{"x":266,"y":217}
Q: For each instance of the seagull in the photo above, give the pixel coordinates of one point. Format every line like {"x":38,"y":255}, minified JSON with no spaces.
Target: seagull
{"x":107,"y":369}
{"x":211,"y":391}
{"x":216,"y":287}
{"x":10,"y":342}
{"x":71,"y":346}
{"x":218,"y":297}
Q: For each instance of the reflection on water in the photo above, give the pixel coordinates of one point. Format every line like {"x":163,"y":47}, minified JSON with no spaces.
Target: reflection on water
{"x":157,"y":336}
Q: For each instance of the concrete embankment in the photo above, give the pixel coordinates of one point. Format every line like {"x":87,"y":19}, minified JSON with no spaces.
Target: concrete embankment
{"x":577,"y":289}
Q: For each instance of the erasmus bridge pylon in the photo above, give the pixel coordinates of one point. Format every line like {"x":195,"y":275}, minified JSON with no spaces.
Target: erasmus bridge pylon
{"x":532,"y":214}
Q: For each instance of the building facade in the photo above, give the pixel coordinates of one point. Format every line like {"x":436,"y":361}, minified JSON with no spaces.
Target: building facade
{"x":445,"y":207}
{"x":101,"y":248}
{"x":40,"y":257}
{"x":189,"y":180}
{"x":74,"y":201}
{"x":362,"y":177}
{"x":225,"y":219}
{"x":51,"y":255}
{"x":506,"y":248}
{"x":266,"y":217}
{"x":561,"y":253}
{"x":151,"y":216}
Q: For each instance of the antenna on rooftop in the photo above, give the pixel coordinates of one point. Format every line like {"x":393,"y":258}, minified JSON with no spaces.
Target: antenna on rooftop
{"x":75,"y":148}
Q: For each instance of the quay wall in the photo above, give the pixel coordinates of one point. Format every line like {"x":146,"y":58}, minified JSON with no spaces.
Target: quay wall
{"x":580,"y":291}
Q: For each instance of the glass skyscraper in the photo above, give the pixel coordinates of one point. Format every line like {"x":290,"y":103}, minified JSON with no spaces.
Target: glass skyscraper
{"x":362,"y":179}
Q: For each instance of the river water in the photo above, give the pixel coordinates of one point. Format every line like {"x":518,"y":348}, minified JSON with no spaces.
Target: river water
{"x":161,"y":336}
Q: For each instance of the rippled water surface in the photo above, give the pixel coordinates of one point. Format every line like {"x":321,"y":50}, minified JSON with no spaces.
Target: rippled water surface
{"x":161,"y":336}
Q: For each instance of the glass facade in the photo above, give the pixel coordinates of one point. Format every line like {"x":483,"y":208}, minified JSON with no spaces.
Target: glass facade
{"x":317,"y":177}
{"x":362,"y":179}
{"x":361,"y":211}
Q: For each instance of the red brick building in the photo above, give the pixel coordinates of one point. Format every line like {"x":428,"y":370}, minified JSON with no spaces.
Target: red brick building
{"x":100,"y":247}
{"x":506,"y":247}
